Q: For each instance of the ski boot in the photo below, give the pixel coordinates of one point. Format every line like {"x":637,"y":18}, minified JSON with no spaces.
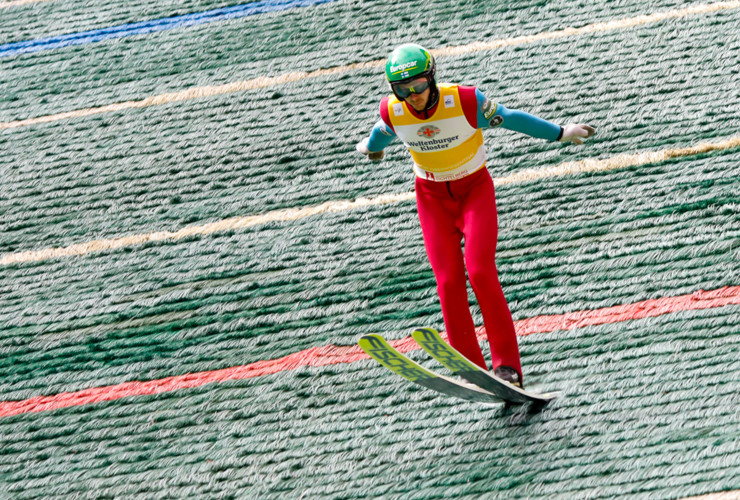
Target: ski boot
{"x":510,"y":375}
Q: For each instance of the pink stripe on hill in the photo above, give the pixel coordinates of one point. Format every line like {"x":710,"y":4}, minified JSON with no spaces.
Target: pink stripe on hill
{"x":330,"y":354}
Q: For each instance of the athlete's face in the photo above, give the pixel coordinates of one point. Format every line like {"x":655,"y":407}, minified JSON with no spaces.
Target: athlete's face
{"x":419,"y":101}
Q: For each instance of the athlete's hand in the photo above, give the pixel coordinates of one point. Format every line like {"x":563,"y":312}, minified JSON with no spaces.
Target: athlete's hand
{"x":573,"y":133}
{"x":372,"y":155}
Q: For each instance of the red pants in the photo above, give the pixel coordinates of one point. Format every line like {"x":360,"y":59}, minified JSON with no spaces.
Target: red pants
{"x":449,"y":212}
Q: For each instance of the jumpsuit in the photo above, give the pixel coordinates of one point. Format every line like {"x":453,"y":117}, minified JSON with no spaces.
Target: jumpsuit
{"x":456,"y":202}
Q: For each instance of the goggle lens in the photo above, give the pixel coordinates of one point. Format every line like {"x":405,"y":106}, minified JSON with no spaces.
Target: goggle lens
{"x":403,"y":90}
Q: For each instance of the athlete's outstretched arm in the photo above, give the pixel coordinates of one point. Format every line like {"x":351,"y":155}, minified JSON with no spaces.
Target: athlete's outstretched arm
{"x":380,"y":136}
{"x":491,"y":114}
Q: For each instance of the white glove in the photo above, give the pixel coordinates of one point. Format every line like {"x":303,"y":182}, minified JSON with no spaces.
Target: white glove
{"x":372,"y":155}
{"x":573,"y":133}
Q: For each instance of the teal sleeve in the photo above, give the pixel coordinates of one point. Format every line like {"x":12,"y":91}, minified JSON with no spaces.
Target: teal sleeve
{"x":381,"y":136}
{"x":519,"y":121}
{"x":492,"y":114}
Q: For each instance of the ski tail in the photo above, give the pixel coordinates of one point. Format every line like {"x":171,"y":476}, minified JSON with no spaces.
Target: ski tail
{"x":378,"y":348}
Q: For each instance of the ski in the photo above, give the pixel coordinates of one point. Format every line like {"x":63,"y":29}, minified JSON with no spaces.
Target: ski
{"x":432,"y":342}
{"x":378,"y":348}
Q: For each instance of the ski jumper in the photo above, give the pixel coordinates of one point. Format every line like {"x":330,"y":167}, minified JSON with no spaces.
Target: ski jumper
{"x":456,"y":200}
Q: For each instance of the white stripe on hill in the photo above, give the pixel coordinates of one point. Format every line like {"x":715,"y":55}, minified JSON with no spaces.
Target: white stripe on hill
{"x":291,"y":214}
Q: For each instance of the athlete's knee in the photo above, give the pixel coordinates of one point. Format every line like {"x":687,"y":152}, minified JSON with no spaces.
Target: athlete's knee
{"x":483,"y":277}
{"x":449,"y":284}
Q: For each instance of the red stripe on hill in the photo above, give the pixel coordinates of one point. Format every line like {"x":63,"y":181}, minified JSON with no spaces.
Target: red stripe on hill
{"x":701,"y":299}
{"x":330,"y":354}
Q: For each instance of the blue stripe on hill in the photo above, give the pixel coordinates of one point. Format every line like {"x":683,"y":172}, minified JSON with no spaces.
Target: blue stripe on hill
{"x":151,"y":26}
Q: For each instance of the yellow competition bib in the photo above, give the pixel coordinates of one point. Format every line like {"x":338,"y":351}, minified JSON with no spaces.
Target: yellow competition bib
{"x":445,"y":147}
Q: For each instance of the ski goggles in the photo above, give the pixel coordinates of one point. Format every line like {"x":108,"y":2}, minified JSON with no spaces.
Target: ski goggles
{"x":405,"y":89}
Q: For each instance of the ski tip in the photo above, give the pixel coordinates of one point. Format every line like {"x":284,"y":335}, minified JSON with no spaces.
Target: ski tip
{"x":369,"y":336}
{"x":422,"y":331}
{"x":372,"y":341}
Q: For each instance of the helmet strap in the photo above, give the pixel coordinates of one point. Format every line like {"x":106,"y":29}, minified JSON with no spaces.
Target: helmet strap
{"x":433,"y":95}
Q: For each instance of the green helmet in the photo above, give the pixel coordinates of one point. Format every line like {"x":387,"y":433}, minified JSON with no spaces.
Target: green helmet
{"x":409,"y":61}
